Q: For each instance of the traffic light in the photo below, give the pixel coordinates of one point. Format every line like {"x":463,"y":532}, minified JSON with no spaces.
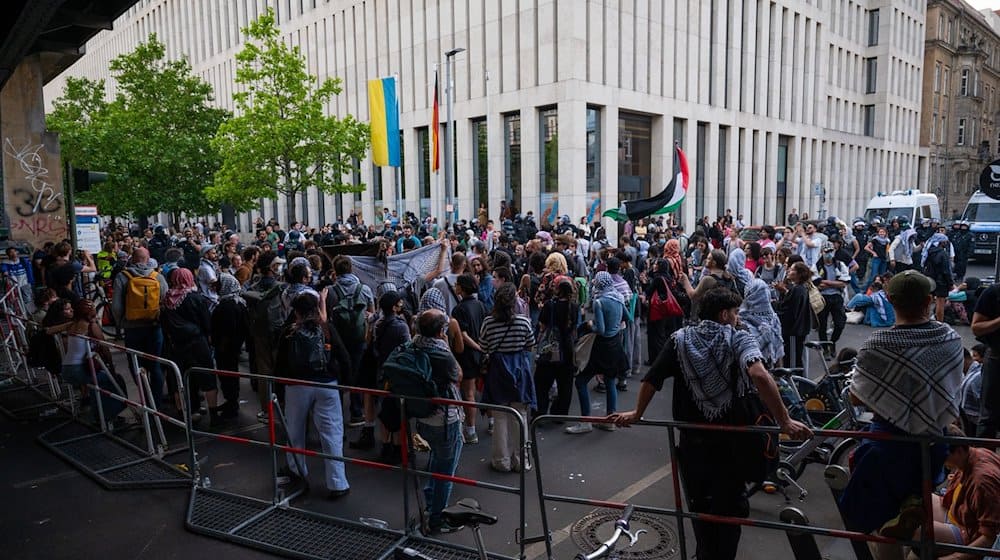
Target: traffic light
{"x":84,"y":178}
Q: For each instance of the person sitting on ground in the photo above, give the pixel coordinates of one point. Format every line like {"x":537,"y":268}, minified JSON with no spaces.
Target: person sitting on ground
{"x":909,"y":377}
{"x":876,"y":307}
{"x":969,"y":512}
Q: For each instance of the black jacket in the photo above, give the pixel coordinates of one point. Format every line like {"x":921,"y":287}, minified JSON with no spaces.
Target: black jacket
{"x":795,"y":312}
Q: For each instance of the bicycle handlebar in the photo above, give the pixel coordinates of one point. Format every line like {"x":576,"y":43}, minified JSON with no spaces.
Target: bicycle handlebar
{"x":621,"y":527}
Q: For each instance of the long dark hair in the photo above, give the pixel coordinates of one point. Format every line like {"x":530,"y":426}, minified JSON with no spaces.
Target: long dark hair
{"x":503,"y":302}
{"x":306,"y":306}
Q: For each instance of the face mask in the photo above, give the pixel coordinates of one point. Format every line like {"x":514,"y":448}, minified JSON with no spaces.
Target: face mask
{"x":828,"y":256}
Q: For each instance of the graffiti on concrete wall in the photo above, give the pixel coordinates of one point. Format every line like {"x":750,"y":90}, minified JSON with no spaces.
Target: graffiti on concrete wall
{"x":34,"y":204}
{"x":38,"y":197}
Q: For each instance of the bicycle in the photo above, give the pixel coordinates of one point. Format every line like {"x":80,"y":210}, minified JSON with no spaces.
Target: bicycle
{"x":95,"y":292}
{"x":467,"y":513}
{"x":827,"y":451}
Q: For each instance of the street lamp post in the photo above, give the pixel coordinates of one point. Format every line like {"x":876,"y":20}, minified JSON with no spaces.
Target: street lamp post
{"x":449,"y":133}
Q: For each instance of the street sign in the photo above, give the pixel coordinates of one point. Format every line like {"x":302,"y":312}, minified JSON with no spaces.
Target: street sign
{"x":989,"y":180}
{"x":88,"y":229}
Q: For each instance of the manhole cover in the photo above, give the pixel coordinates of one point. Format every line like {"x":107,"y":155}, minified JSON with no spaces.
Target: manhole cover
{"x":659,"y":540}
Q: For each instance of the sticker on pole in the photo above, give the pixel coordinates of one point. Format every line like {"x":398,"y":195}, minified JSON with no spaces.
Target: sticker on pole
{"x":989,"y":180}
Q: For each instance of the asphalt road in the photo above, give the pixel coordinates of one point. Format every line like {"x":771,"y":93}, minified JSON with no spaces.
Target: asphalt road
{"x":51,"y":511}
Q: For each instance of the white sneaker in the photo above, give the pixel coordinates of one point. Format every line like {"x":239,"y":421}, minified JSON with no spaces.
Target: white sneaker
{"x":581,"y":428}
{"x":607,"y":427}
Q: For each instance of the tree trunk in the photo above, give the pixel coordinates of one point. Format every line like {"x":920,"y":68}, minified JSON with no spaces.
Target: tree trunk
{"x":289,"y":209}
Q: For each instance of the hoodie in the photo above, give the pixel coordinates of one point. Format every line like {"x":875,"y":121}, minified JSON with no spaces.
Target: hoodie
{"x":118,"y":299}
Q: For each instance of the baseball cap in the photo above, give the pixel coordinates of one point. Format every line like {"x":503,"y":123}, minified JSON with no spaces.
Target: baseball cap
{"x":910,"y":285}
{"x":544,"y":236}
{"x":206,"y":248}
{"x":828,"y":247}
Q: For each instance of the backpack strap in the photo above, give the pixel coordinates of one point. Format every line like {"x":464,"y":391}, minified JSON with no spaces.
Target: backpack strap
{"x":451,"y":289}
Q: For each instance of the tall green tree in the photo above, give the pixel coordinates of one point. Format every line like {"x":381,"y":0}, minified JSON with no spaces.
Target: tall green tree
{"x":281,"y":139}
{"x":153,"y":139}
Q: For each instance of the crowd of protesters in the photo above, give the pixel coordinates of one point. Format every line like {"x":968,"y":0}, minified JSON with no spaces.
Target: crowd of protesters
{"x":527,"y":315}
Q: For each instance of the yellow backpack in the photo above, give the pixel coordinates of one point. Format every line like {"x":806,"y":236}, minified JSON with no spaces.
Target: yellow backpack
{"x":142,"y":297}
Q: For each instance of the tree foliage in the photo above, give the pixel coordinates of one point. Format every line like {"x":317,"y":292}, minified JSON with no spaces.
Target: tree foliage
{"x":153,"y":139}
{"x":282,"y":140}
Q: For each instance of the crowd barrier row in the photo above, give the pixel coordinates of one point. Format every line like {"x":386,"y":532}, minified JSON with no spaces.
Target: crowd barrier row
{"x":276,"y":525}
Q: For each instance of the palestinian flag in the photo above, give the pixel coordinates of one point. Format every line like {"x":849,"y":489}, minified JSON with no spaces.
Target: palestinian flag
{"x":667,"y":201}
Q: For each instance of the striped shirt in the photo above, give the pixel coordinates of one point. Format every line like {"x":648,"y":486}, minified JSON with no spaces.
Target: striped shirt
{"x":506,"y":337}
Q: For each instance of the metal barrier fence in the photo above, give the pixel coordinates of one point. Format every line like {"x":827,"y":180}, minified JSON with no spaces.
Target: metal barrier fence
{"x":274,"y":525}
{"x":97,"y":451}
{"x":926,"y":546}
{"x":111,"y":460}
{"x":26,"y":392}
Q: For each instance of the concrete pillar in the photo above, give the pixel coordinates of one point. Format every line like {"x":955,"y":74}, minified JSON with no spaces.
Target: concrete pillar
{"x":496,"y":146}
{"x":35,"y":207}
{"x":464,"y":179}
{"x":609,"y":167}
{"x":573,"y":159}
{"x":530,"y":161}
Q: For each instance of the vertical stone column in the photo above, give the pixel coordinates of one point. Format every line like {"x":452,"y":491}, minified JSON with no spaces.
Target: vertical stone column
{"x":573,"y":159}
{"x":34,"y":204}
{"x":609,"y":168}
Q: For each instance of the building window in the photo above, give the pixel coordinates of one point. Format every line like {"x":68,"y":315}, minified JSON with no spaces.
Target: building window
{"x":934,"y":128}
{"x":871,"y":71}
{"x":635,"y":151}
{"x":872,"y":28}
{"x":548,"y":147}
{"x":593,"y":162}
{"x":941,"y":131}
{"x":961,"y":132}
{"x":937,"y":77}
{"x":869,"y":116}
{"x":480,"y":164}
{"x":424,"y":169}
{"x":940,"y":29}
{"x":975,"y":83}
{"x":512,"y":159}
{"x":782,"y":174}
{"x":972,"y":133}
{"x":946,"y":82}
{"x":963,"y":88}
{"x":701,"y":163}
{"x":721,"y":185}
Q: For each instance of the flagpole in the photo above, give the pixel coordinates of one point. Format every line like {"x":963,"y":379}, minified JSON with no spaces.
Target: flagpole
{"x":399,"y":168}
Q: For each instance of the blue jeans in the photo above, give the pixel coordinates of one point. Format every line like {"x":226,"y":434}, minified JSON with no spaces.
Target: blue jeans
{"x":149,"y":340}
{"x":329,"y":420}
{"x":876,"y":268}
{"x":79,"y":375}
{"x":446,"y":448}
{"x":611,"y":394}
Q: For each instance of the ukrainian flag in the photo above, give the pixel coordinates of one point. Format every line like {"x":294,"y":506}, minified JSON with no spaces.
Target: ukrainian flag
{"x":384,"y":125}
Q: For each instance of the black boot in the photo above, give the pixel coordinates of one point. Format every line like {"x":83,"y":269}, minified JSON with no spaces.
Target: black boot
{"x":366,"y":441}
{"x":215,"y":417}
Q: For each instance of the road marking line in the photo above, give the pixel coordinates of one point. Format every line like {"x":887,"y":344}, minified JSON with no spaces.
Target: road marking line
{"x":537,"y":550}
{"x":44,"y":479}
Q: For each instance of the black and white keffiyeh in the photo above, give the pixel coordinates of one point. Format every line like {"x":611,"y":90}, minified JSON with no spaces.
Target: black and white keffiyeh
{"x":911,"y":377}
{"x":708,"y":351}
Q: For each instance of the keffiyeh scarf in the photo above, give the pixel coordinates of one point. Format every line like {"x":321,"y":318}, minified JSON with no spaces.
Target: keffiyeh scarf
{"x":911,"y":377}
{"x":708,"y":351}
{"x":604,"y":287}
{"x":737,"y":267}
{"x":229,"y":288}
{"x":758,"y":315}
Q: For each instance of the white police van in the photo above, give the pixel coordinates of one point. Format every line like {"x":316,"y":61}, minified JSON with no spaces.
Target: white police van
{"x":983,"y":215}
{"x":911,"y":203}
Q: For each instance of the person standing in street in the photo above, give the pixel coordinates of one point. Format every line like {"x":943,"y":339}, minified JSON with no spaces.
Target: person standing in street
{"x":140,"y":319}
{"x":832,"y":277}
{"x":714,"y":365}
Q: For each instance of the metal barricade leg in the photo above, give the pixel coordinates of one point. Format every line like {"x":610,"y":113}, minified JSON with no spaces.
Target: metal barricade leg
{"x":803,"y":544}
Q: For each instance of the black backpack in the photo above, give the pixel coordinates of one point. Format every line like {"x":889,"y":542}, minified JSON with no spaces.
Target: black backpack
{"x":308,"y":354}
{"x":347,"y":315}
